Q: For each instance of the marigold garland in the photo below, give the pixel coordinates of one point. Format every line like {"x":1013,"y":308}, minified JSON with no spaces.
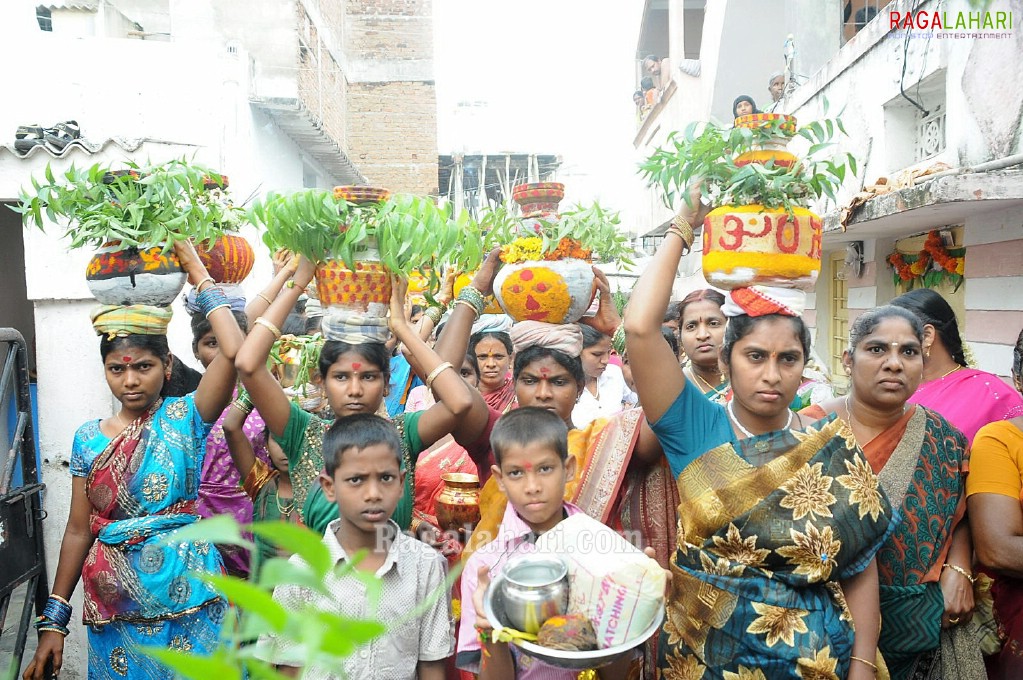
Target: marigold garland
{"x":530,"y":248}
{"x":934,"y":251}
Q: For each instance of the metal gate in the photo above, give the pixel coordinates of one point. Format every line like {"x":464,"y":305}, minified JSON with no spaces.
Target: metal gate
{"x":21,"y":528}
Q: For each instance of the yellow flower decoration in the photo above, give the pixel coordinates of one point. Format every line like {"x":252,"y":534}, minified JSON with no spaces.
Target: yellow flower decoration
{"x":738,"y":549}
{"x":778,"y":623}
{"x":863,"y":485}
{"x":813,"y":553}
{"x":808,"y":493}
{"x":821,"y":667}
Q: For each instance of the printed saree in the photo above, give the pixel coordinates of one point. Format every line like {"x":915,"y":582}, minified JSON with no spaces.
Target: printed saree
{"x":921,"y":461}
{"x":766,"y":535}
{"x":139,"y":589}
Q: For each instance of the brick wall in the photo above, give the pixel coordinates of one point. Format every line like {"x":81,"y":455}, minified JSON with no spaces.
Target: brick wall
{"x":392,"y":134}
{"x":321,"y":84}
{"x":391,"y":99}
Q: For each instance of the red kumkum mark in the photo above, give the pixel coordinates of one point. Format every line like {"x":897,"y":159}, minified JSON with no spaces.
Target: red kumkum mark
{"x":126,"y":360}
{"x":544,"y":372}
{"x":356,"y":365}
{"x":528,"y":466}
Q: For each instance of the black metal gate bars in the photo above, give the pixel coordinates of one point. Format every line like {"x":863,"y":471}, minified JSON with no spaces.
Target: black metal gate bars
{"x":21,"y":530}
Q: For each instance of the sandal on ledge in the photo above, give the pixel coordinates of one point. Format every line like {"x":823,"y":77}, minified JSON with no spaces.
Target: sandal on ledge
{"x":28,"y":136}
{"x":62,"y":134}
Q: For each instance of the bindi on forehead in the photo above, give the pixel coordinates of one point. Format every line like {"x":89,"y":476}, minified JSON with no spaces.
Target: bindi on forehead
{"x":528,"y":466}
{"x":356,"y":365}
{"x":127,"y":359}
{"x":545,"y":372}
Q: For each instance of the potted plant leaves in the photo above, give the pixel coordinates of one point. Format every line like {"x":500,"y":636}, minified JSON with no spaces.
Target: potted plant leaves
{"x":131,"y":215}
{"x":548,"y":257}
{"x":761,"y":230}
{"x":356,"y":235}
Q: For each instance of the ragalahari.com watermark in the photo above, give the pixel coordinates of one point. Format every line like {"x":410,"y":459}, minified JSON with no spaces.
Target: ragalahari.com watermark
{"x":951,"y":25}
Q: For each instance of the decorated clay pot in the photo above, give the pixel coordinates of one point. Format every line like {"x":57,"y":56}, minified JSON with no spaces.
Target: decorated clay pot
{"x":229,"y":260}
{"x":361,"y":195}
{"x":752,"y":245}
{"x":463,"y":280}
{"x":367,"y":289}
{"x":558,"y":291}
{"x":772,"y":149}
{"x":134,"y":276}
{"x":458,"y":504}
{"x":538,"y":198}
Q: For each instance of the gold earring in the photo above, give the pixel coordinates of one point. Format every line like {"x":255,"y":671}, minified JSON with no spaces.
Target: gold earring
{"x":848,"y":370}
{"x":927,"y":352}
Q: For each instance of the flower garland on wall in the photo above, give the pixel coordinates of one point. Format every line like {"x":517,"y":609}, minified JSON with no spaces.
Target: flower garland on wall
{"x":932,"y":265}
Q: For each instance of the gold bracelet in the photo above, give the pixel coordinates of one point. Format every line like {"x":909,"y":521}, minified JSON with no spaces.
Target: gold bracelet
{"x":58,"y":598}
{"x":265,"y":298}
{"x":954,"y":567}
{"x":681,"y":227}
{"x":864,"y":661}
{"x":242,"y":406}
{"x":269,"y":326}
{"x":208,"y":279}
{"x":469,"y":305}
{"x":435,"y":372}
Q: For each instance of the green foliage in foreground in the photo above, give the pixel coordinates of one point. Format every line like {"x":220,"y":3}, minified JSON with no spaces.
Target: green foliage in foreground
{"x":324,"y":638}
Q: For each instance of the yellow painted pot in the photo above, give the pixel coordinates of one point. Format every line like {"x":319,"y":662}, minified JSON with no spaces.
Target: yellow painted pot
{"x":558,"y":291}
{"x":364,"y":289}
{"x":752,"y":245}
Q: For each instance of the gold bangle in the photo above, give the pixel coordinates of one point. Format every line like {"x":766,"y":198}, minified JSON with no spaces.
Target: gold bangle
{"x":954,"y":567}
{"x":242,"y":406}
{"x":265,"y":298}
{"x":680,"y":227}
{"x":58,"y":598}
{"x":269,"y":326}
{"x":469,"y":305}
{"x":864,"y":661}
{"x":208,"y":279}
{"x":435,"y":372}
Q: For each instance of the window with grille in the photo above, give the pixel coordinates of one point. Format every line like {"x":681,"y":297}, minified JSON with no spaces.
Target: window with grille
{"x":839,"y":330}
{"x":45,"y":18}
{"x":930,"y":134}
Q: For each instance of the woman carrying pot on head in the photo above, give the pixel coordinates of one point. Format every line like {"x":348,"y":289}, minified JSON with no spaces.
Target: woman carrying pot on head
{"x":994,"y":492}
{"x":354,"y":365}
{"x":925,"y":566}
{"x":701,"y":332}
{"x":135,"y":479}
{"x":968,"y":398}
{"x":548,"y":373}
{"x":220,"y":485}
{"x":779,"y":518}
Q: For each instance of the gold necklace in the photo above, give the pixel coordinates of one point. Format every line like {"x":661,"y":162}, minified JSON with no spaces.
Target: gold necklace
{"x":286,"y":508}
{"x":707,"y":387}
{"x":124,"y":425}
{"x":950,"y":372}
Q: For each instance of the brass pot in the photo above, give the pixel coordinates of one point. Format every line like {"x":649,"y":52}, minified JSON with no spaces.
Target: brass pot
{"x":458,"y":504}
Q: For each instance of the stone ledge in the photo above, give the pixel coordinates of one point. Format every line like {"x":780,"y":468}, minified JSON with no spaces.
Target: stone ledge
{"x":940,"y":202}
